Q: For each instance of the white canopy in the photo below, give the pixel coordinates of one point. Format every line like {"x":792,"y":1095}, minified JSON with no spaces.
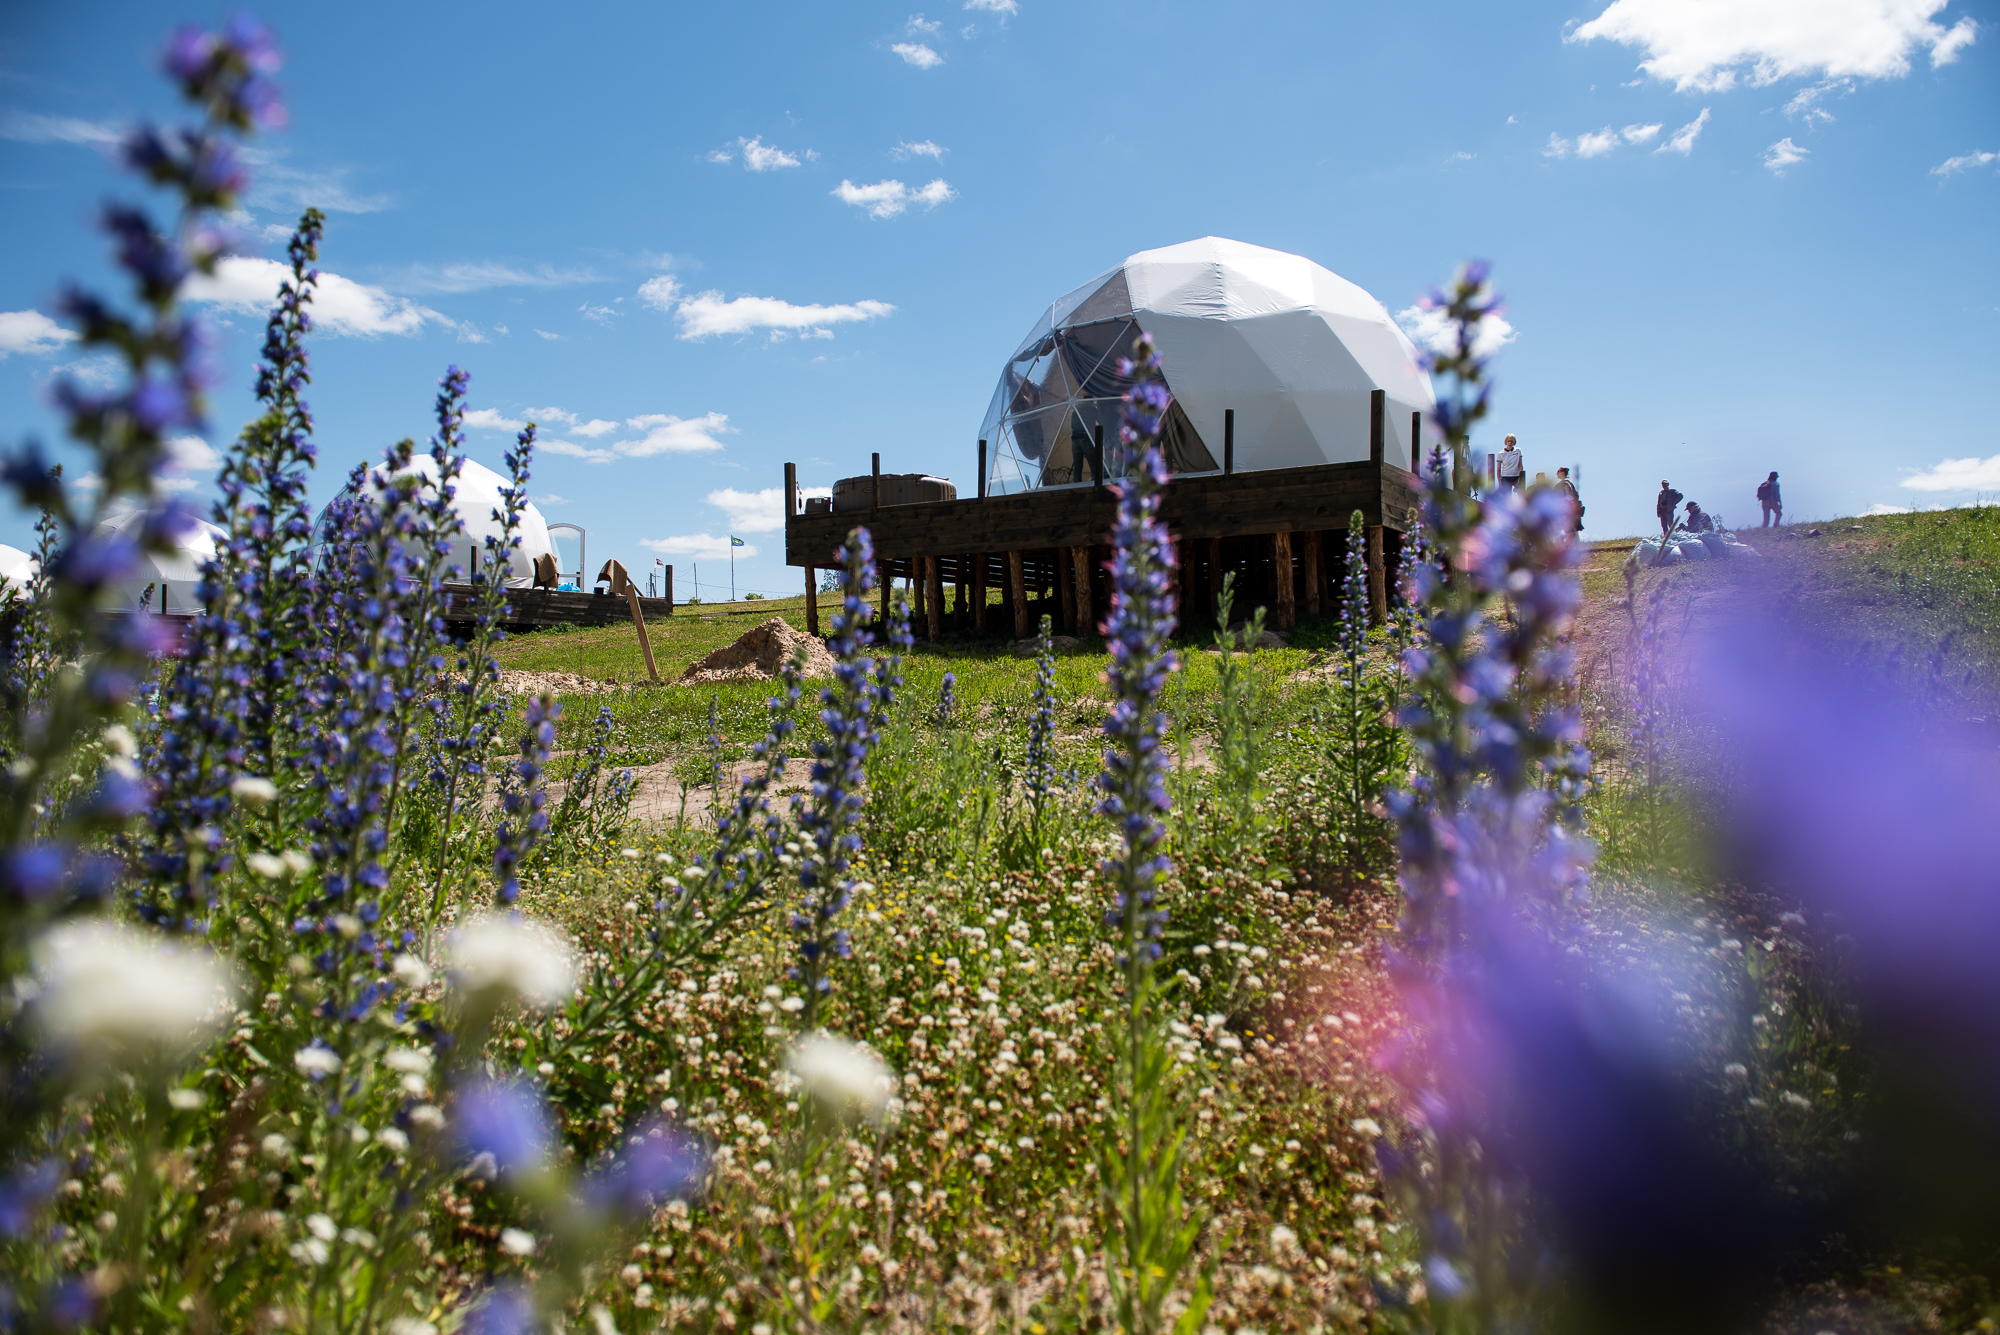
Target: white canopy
{"x":1293,"y":348}
{"x":17,"y":567}
{"x":173,"y":575}
{"x":476,"y":500}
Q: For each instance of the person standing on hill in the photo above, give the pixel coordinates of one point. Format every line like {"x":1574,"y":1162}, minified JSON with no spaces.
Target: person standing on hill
{"x":1773,"y":503}
{"x":1664,"y":507}
{"x":1568,"y":488}
{"x":1512,"y":465}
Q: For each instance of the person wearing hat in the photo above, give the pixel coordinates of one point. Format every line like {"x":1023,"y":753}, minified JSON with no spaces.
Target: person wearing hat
{"x":1769,"y":498}
{"x":1664,"y":506}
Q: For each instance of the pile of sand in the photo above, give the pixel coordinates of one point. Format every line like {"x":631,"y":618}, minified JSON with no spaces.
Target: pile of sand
{"x":758,"y":654}
{"x":519,"y":684}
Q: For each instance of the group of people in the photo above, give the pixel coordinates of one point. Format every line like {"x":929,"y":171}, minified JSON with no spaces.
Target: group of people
{"x":1510,"y":466}
{"x":1699,"y":521}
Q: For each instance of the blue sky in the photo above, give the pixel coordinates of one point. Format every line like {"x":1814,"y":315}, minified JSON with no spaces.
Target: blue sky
{"x":699,"y":241}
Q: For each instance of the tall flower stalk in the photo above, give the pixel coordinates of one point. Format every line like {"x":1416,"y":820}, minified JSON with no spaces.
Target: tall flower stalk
{"x":1041,"y":761}
{"x":1150,"y":1229}
{"x":853,"y":707}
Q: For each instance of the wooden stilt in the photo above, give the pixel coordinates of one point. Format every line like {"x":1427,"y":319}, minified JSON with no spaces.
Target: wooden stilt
{"x":1066,"y":584}
{"x":1315,"y":571}
{"x":1378,"y":584}
{"x":1086,"y":613}
{"x":919,"y":587}
{"x":1281,"y":574}
{"x":812,"y":601}
{"x":936,"y":600}
{"x":962,"y":614}
{"x":885,"y":576}
{"x":1215,"y":578}
{"x":979,"y":593}
{"x":1017,"y":591}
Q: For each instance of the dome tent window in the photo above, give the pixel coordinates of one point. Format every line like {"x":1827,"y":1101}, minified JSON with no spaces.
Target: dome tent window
{"x":1293,"y":350}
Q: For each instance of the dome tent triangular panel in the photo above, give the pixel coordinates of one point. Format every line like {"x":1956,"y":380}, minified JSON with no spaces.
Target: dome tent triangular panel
{"x":476,"y":501}
{"x":1294,"y":349}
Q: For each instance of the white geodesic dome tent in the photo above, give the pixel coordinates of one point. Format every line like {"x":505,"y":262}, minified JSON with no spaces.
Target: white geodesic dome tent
{"x":173,"y":575}
{"x":476,"y":501}
{"x":17,"y":568}
{"x":1294,"y":349}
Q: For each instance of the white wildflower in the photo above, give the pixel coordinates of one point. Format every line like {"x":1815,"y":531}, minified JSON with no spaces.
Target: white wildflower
{"x":316,"y":1061}
{"x":99,"y":984}
{"x":410,"y":971}
{"x":322,"y":1227}
{"x":297,"y":861}
{"x":267,"y":865}
{"x":517,"y":1242}
{"x":410,"y":1325}
{"x":358,"y":1237}
{"x":119,"y":741}
{"x":428,"y":1116}
{"x":393,"y":1137}
{"x":254,"y":790}
{"x":412,"y":1061}
{"x":631,"y":853}
{"x":1736,"y":1071}
{"x":504,"y":954}
{"x":275,"y":1147}
{"x":186,"y":1100}
{"x":1367,"y":1126}
{"x":848,"y":1079}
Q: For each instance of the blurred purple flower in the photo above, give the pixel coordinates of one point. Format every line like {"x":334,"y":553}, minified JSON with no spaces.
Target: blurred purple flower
{"x":506,"y":1310}
{"x":33,"y":873}
{"x":505,"y":1121}
{"x":663,"y":1163}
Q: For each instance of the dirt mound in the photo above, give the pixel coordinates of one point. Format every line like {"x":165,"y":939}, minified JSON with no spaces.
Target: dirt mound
{"x":553,"y":683}
{"x":758,"y":654}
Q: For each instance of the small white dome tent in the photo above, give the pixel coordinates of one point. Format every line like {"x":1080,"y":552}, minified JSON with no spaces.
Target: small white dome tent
{"x":476,"y":499}
{"x":17,"y":568}
{"x":1294,"y":349}
{"x":174,"y":575}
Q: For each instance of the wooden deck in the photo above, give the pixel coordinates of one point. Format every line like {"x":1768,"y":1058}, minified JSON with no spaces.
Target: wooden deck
{"x":538,"y":609}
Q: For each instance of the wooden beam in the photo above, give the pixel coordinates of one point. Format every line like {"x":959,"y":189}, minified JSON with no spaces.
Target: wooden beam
{"x":1281,"y":573}
{"x":1315,"y":570}
{"x":1086,"y":614}
{"x":1228,"y":441}
{"x":1066,"y":582}
{"x":1017,"y":592}
{"x":875,"y":470}
{"x":1215,"y":579}
{"x":979,"y":593}
{"x":961,"y":619}
{"x":885,"y":576}
{"x":791,"y":491}
{"x":1285,"y":500}
{"x":1378,"y":581}
{"x":645,"y":640}
{"x":1417,"y":443}
{"x":812,"y":601}
{"x":936,"y":582}
{"x":1378,"y":426}
{"x":919,"y":585}
{"x":982,"y":470}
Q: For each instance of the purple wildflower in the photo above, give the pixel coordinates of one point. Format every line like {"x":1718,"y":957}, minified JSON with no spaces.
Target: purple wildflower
{"x":502,"y":1127}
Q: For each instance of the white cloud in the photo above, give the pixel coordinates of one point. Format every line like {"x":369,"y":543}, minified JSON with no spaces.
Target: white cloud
{"x":276,"y":184}
{"x":594,"y":428}
{"x":918,"y":23}
{"x":759,"y":156}
{"x":1596,"y":143}
{"x":1006,"y":7}
{"x":551,"y":499}
{"x":1957,"y":475}
{"x":757,"y":511}
{"x":1705,"y":44}
{"x":697,"y":545}
{"x":1783,"y":154}
{"x":488,"y":419}
{"x":477,"y":276}
{"x":923,"y":148}
{"x":340,"y":305}
{"x":1948,"y":167}
{"x":1681,"y":141}
{"x":553,"y":338}
{"x":660,"y":291}
{"x":916,"y":53}
{"x":601,"y":314}
{"x":1880,"y":509}
{"x":192,"y":454}
{"x":706,"y":314}
{"x":31,"y":332}
{"x":29,"y":128}
{"x":1805,"y":102}
{"x":722,"y":155}
{"x":888,"y":199}
{"x":1429,"y":328}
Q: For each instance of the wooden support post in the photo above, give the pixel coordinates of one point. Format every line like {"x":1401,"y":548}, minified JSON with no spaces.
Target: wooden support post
{"x":1228,"y":442}
{"x":1315,"y":564}
{"x":982,"y":470}
{"x":979,"y":593}
{"x":1097,"y":455}
{"x":936,"y":581}
{"x":1281,"y":573}
{"x":875,"y":496}
{"x":1417,"y":443}
{"x":1017,"y":592}
{"x":1086,"y":613}
{"x":639,"y":620}
{"x":1378,"y":426}
{"x":812,"y":601}
{"x":1066,"y":585}
{"x":791,"y":492}
{"x":667,"y":586}
{"x":962,"y":612}
{"x":919,"y":586}
{"x":1184,"y":581}
{"x":1215,"y":579}
{"x":1378,"y":579}
{"x":885,"y":577}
